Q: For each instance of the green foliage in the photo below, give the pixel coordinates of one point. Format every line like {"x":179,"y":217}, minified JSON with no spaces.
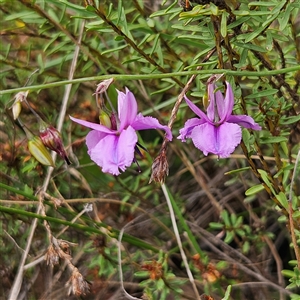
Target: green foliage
{"x":162,"y":281}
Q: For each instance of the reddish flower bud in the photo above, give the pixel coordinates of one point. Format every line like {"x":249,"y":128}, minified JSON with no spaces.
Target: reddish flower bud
{"x":51,"y":138}
{"x":37,"y":148}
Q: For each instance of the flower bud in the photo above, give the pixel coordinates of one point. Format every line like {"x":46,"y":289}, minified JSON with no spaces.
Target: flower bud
{"x":105,"y":119}
{"x":16,"y":109}
{"x":51,"y":138}
{"x":37,"y":148}
{"x":39,"y":152}
{"x":17,"y":106}
{"x":103,"y":86}
{"x":205,"y":101}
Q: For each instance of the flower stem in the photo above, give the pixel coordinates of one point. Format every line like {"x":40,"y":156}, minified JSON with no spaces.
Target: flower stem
{"x":124,"y":77}
{"x":176,"y":231}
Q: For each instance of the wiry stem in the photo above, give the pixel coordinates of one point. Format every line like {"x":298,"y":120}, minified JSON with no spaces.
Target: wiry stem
{"x":176,"y":231}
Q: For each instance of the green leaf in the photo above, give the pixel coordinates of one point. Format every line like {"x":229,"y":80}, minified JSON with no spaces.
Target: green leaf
{"x":273,"y":140}
{"x":225,"y":217}
{"x":233,"y":219}
{"x":215,"y":225}
{"x":263,"y":93}
{"x":288,"y":273}
{"x":114,"y":49}
{"x":240,"y":232}
{"x":227,"y":293}
{"x":166,"y":12}
{"x":286,"y":16}
{"x":141,"y":274}
{"x":254,"y":189}
{"x":224,"y":24}
{"x":289,"y":120}
{"x":229,"y":237}
{"x":237,"y":171}
{"x":266,"y":180}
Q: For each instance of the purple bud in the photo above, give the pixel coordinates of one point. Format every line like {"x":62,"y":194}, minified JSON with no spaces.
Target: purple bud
{"x":51,"y":138}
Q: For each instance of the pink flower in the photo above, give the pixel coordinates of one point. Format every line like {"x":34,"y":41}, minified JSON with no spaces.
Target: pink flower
{"x":113,"y":148}
{"x":218,"y":131}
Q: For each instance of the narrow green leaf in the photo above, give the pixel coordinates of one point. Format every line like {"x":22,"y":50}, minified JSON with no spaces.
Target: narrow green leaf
{"x":288,"y":273}
{"x":237,"y":171}
{"x":215,"y":225}
{"x":225,"y":217}
{"x":224,"y":24}
{"x":229,"y":237}
{"x":290,"y":120}
{"x":250,"y":46}
{"x":254,"y":189}
{"x":286,"y":16}
{"x":266,"y":180}
{"x":114,"y":49}
{"x":263,"y":93}
{"x":273,"y":140}
{"x":227,"y":293}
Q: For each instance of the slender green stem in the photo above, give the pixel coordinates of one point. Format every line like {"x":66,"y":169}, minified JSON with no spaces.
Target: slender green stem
{"x":122,"y":77}
{"x":113,"y":232}
{"x":185,"y":226}
{"x":17,"y":191}
{"x":176,"y":231}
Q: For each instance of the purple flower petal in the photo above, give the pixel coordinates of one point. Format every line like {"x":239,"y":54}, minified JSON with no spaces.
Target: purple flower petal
{"x":141,"y":123}
{"x":125,"y":148}
{"x":189,"y":125}
{"x":225,"y":106}
{"x":196,"y":110}
{"x":114,"y":153}
{"x":93,"y":138}
{"x":220,"y":140}
{"x":216,"y":100}
{"x":91,"y":125}
{"x":103,"y":154}
{"x":245,"y":121}
{"x":127,"y":108}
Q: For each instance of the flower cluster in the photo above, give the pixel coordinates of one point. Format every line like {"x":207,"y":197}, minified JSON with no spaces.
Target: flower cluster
{"x":112,"y":143}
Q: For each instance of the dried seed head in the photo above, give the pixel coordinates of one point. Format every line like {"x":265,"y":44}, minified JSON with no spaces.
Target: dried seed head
{"x":77,"y":284}
{"x":160,"y":168}
{"x":52,"y":256}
